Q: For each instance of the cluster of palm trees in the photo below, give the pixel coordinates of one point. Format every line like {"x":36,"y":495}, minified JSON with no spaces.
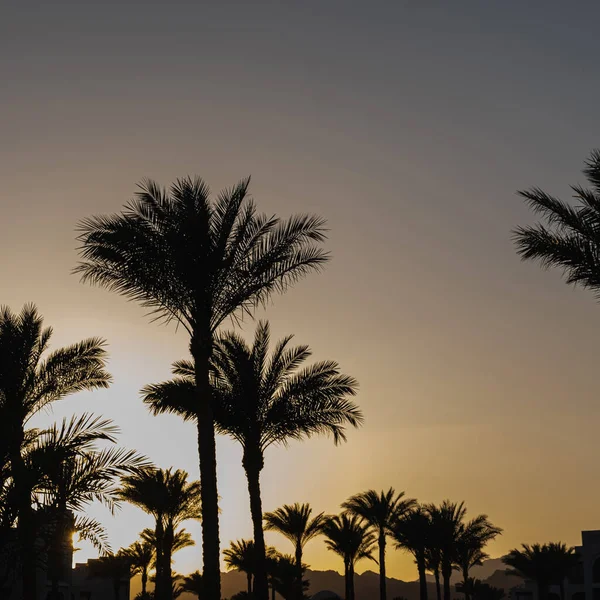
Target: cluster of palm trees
{"x":439,"y":537}
{"x":199,"y":262}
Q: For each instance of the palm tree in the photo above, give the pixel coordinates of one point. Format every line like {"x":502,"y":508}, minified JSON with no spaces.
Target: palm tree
{"x":349,"y":537}
{"x":568,"y":240}
{"x":194,"y":584}
{"x":433,"y":562}
{"x":141,"y":555}
{"x":412,"y":532}
{"x":116,"y":567}
{"x":294,"y":522}
{"x":199,"y":262}
{"x":260,"y":401}
{"x":72,"y":472}
{"x":545,"y":564}
{"x":471,"y":542}
{"x":477,"y":590}
{"x":31,"y":379}
{"x":285,"y":578}
{"x":171,"y":500}
{"x":447,"y":522}
{"x":380,"y":510}
{"x":241,"y":556}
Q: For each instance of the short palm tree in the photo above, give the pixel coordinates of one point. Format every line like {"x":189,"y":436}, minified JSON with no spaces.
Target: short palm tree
{"x":198,"y":262}
{"x":433,"y":562}
{"x":171,"y":500}
{"x":349,"y":537}
{"x":295,"y":523}
{"x":261,"y":401}
{"x":31,"y":379}
{"x":380,"y":511}
{"x":412,"y":532}
{"x":285,"y":578}
{"x":472,"y":539}
{"x":447,"y":523}
{"x":72,"y":471}
{"x":544,"y":564}
{"x":141,"y":554}
{"x":241,"y":556}
{"x":193,"y":584}
{"x":568,"y":239}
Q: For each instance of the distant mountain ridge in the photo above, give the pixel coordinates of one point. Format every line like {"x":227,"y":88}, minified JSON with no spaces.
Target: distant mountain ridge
{"x":366,"y":584}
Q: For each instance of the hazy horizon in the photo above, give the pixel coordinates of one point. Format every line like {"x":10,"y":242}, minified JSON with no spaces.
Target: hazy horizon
{"x":409,"y":127}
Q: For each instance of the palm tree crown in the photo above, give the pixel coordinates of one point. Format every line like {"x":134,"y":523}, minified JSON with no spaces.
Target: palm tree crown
{"x":569,"y":238}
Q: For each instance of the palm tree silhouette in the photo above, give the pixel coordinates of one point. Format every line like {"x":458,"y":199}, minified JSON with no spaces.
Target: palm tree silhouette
{"x":380,"y":511}
{"x":349,"y":537}
{"x":295,"y":523}
{"x":543,"y":563}
{"x":241,"y":556}
{"x":412,"y":532}
{"x":198,"y":262}
{"x":568,"y":239}
{"x":471,"y":542}
{"x":193,"y":584}
{"x":141,"y":554}
{"x":171,"y":500}
{"x":285,"y":578}
{"x":447,"y":522}
{"x":31,"y":379}
{"x":71,"y":472}
{"x":260,"y":401}
{"x":433,"y":562}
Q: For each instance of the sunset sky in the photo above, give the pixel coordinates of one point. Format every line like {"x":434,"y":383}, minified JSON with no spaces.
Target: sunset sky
{"x":409,"y":126}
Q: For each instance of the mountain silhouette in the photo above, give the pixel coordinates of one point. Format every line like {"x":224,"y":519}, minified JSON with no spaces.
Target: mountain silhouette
{"x":366,"y":584}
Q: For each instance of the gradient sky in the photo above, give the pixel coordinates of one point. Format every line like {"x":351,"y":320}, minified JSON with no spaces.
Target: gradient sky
{"x":409,"y":125}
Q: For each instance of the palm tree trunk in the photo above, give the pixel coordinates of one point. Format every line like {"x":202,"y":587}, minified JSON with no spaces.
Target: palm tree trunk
{"x":167,"y":559}
{"x":25,"y":527}
{"x":347,"y":592}
{"x":382,"y":580}
{"x":299,"y":591}
{"x":253,"y":468}
{"x":438,"y":589}
{"x":159,"y":537}
{"x":422,"y":578}
{"x":562,"y":589}
{"x":446,"y":576}
{"x":249,"y":582}
{"x":144,"y":580}
{"x":465,"y":574}
{"x":208,"y":469}
{"x":117,"y":588}
{"x":273,"y":591}
{"x":352,"y":592}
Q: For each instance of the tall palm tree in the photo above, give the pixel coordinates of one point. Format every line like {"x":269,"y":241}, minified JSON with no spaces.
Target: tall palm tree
{"x":141,"y":554}
{"x":295,"y":523}
{"x":241,"y":556}
{"x":381,"y":511}
{"x":471,"y":542}
{"x":198,"y":262}
{"x":543,"y":563}
{"x":194,"y":584}
{"x":412,"y":532}
{"x":171,"y":500}
{"x":349,"y":537}
{"x":261,"y":401}
{"x":447,"y":522}
{"x":31,"y":379}
{"x":568,"y":239}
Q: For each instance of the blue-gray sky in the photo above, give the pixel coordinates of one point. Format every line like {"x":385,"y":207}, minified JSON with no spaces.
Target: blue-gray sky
{"x":409,"y":126}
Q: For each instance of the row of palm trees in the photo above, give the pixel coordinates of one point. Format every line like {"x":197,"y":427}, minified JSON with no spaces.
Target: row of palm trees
{"x":439,"y":537}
